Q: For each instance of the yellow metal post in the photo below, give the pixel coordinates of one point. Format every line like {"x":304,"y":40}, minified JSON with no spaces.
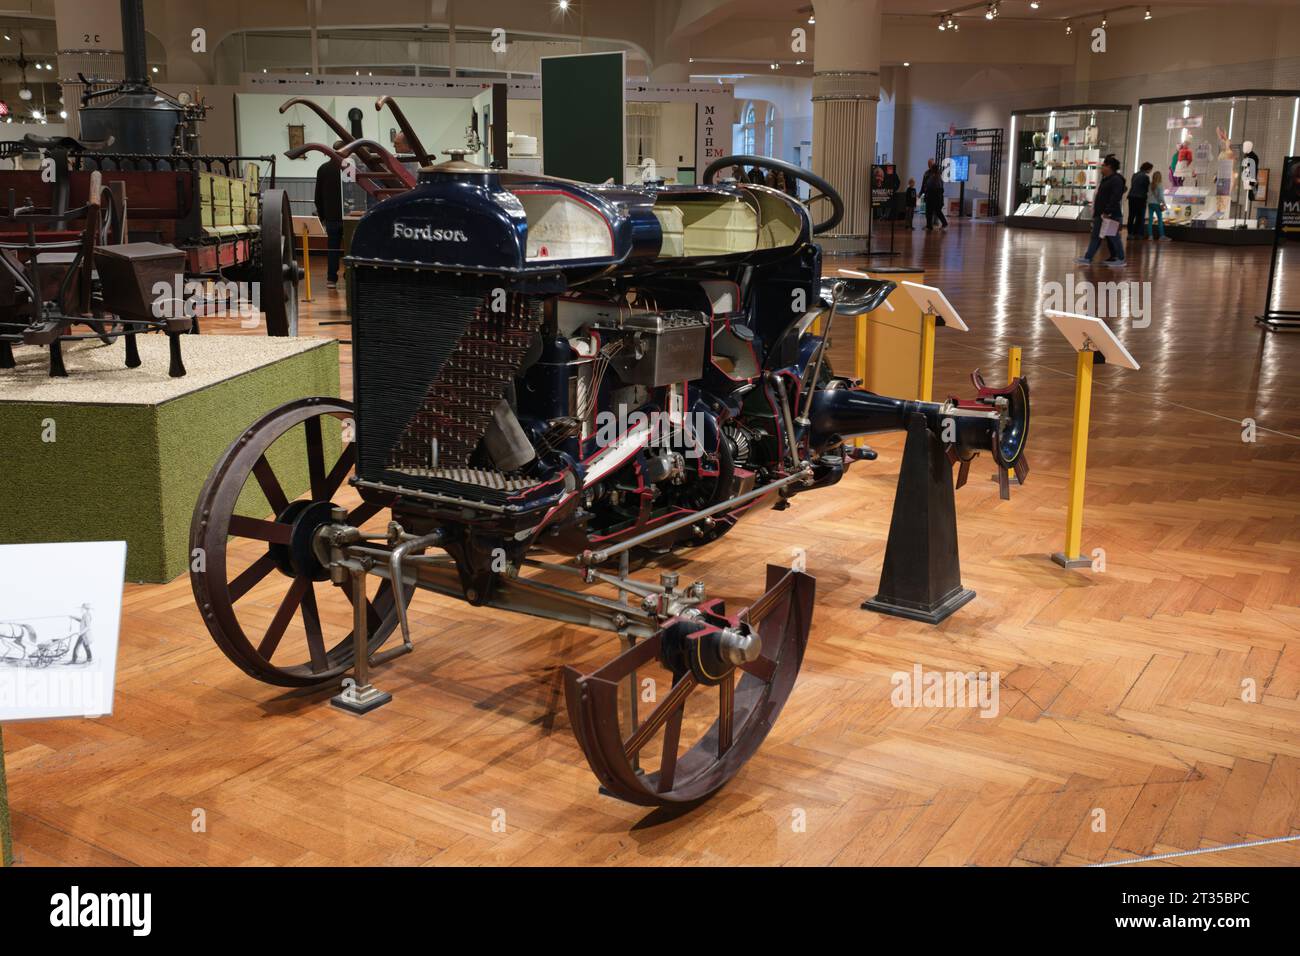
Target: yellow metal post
{"x":306,"y":261}
{"x":927,"y":356}
{"x":860,"y":362}
{"x":1070,"y":557}
{"x":1013,"y":371}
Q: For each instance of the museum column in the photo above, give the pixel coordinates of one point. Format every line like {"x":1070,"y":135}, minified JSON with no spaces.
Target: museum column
{"x":846,"y":88}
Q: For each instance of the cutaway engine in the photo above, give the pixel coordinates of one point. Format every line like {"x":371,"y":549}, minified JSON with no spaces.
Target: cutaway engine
{"x":566,"y":366}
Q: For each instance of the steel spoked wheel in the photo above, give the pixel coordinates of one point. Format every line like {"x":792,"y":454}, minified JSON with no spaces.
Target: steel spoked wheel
{"x":708,"y":724}
{"x":279,"y":267}
{"x":265,"y":597}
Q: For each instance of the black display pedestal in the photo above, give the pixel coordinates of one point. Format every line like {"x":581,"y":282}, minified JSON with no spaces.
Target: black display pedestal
{"x":921,"y":578}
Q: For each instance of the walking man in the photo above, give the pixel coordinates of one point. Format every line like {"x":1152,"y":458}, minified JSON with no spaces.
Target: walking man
{"x":83,"y":634}
{"x":932,"y":187}
{"x":329,"y":207}
{"x":1107,"y":214}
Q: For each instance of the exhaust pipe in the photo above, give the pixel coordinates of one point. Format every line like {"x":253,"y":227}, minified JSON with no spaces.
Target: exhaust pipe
{"x":997,"y":422}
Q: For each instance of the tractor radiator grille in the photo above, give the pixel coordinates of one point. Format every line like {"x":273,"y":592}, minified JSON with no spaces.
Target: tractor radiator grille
{"x":430,"y":364}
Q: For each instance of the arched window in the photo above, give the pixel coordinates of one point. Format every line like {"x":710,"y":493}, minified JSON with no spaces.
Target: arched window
{"x":748,"y":130}
{"x":769,"y":135}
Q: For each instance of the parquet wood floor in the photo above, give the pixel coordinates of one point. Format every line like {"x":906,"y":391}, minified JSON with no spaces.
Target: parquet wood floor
{"x":1121,"y":691}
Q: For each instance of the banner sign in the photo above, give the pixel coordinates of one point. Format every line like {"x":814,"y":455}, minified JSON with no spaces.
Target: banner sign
{"x":1185,"y":122}
{"x":1287,"y":229}
{"x":1288,"y":205}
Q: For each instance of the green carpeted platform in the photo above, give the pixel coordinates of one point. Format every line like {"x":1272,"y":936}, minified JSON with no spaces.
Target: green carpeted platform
{"x":131,"y":448}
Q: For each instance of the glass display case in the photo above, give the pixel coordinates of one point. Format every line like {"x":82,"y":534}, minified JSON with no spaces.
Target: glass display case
{"x":1216,"y":154}
{"x":1056,"y":157}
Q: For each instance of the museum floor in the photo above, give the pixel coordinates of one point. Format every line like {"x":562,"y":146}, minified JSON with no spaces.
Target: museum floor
{"x":1121,"y":691}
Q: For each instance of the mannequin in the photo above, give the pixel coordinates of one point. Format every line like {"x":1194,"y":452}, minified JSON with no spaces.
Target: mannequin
{"x":1180,"y":166}
{"x":1225,"y":177}
{"x":1249,"y":170}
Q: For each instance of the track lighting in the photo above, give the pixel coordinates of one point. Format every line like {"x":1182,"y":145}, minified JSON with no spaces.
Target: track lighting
{"x":1068,"y":28}
{"x":1148,"y":14}
{"x":943,"y":24}
{"x":991,"y":12}
{"x":952,"y":24}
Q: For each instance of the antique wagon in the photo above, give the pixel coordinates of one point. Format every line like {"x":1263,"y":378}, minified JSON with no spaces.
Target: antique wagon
{"x":230,"y":222}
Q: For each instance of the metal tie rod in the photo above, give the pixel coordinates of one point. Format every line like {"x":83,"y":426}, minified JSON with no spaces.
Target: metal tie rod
{"x":604,"y":554}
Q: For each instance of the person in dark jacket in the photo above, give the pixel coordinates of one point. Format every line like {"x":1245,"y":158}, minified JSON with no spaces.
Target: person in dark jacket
{"x":1107,"y":205}
{"x":1137,"y":200}
{"x":932,"y":189}
{"x":910,"y":202}
{"x":329,"y":207}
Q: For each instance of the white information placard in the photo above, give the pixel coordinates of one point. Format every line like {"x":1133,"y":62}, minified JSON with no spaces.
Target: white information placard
{"x":60,"y":613}
{"x":931,"y":299}
{"x":1091,"y":333}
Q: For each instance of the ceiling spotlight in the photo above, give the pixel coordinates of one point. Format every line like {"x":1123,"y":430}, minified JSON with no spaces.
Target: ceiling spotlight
{"x":7,"y":37}
{"x":690,"y":59}
{"x":943,"y":24}
{"x":905,"y":63}
{"x":774,"y":66}
{"x":1103,"y":21}
{"x":812,"y":19}
{"x":563,"y":5}
{"x":1068,"y":28}
{"x":952,"y":24}
{"x":798,"y":62}
{"x":1033,"y":4}
{"x":63,"y":114}
{"x":24,"y":94}
{"x":990,"y":13}
{"x":1148,"y":14}
{"x":155,"y":69}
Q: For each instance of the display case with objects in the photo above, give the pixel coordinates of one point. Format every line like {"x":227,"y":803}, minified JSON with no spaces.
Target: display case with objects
{"x":1216,"y":153}
{"x":1056,"y":157}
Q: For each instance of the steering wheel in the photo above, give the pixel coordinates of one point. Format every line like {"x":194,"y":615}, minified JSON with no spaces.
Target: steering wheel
{"x":826,"y":190}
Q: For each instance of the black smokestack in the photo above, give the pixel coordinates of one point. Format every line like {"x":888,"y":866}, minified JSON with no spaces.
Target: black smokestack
{"x":133,"y":43}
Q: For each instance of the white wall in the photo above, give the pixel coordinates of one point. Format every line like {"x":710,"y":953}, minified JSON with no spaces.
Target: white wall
{"x":263,"y":130}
